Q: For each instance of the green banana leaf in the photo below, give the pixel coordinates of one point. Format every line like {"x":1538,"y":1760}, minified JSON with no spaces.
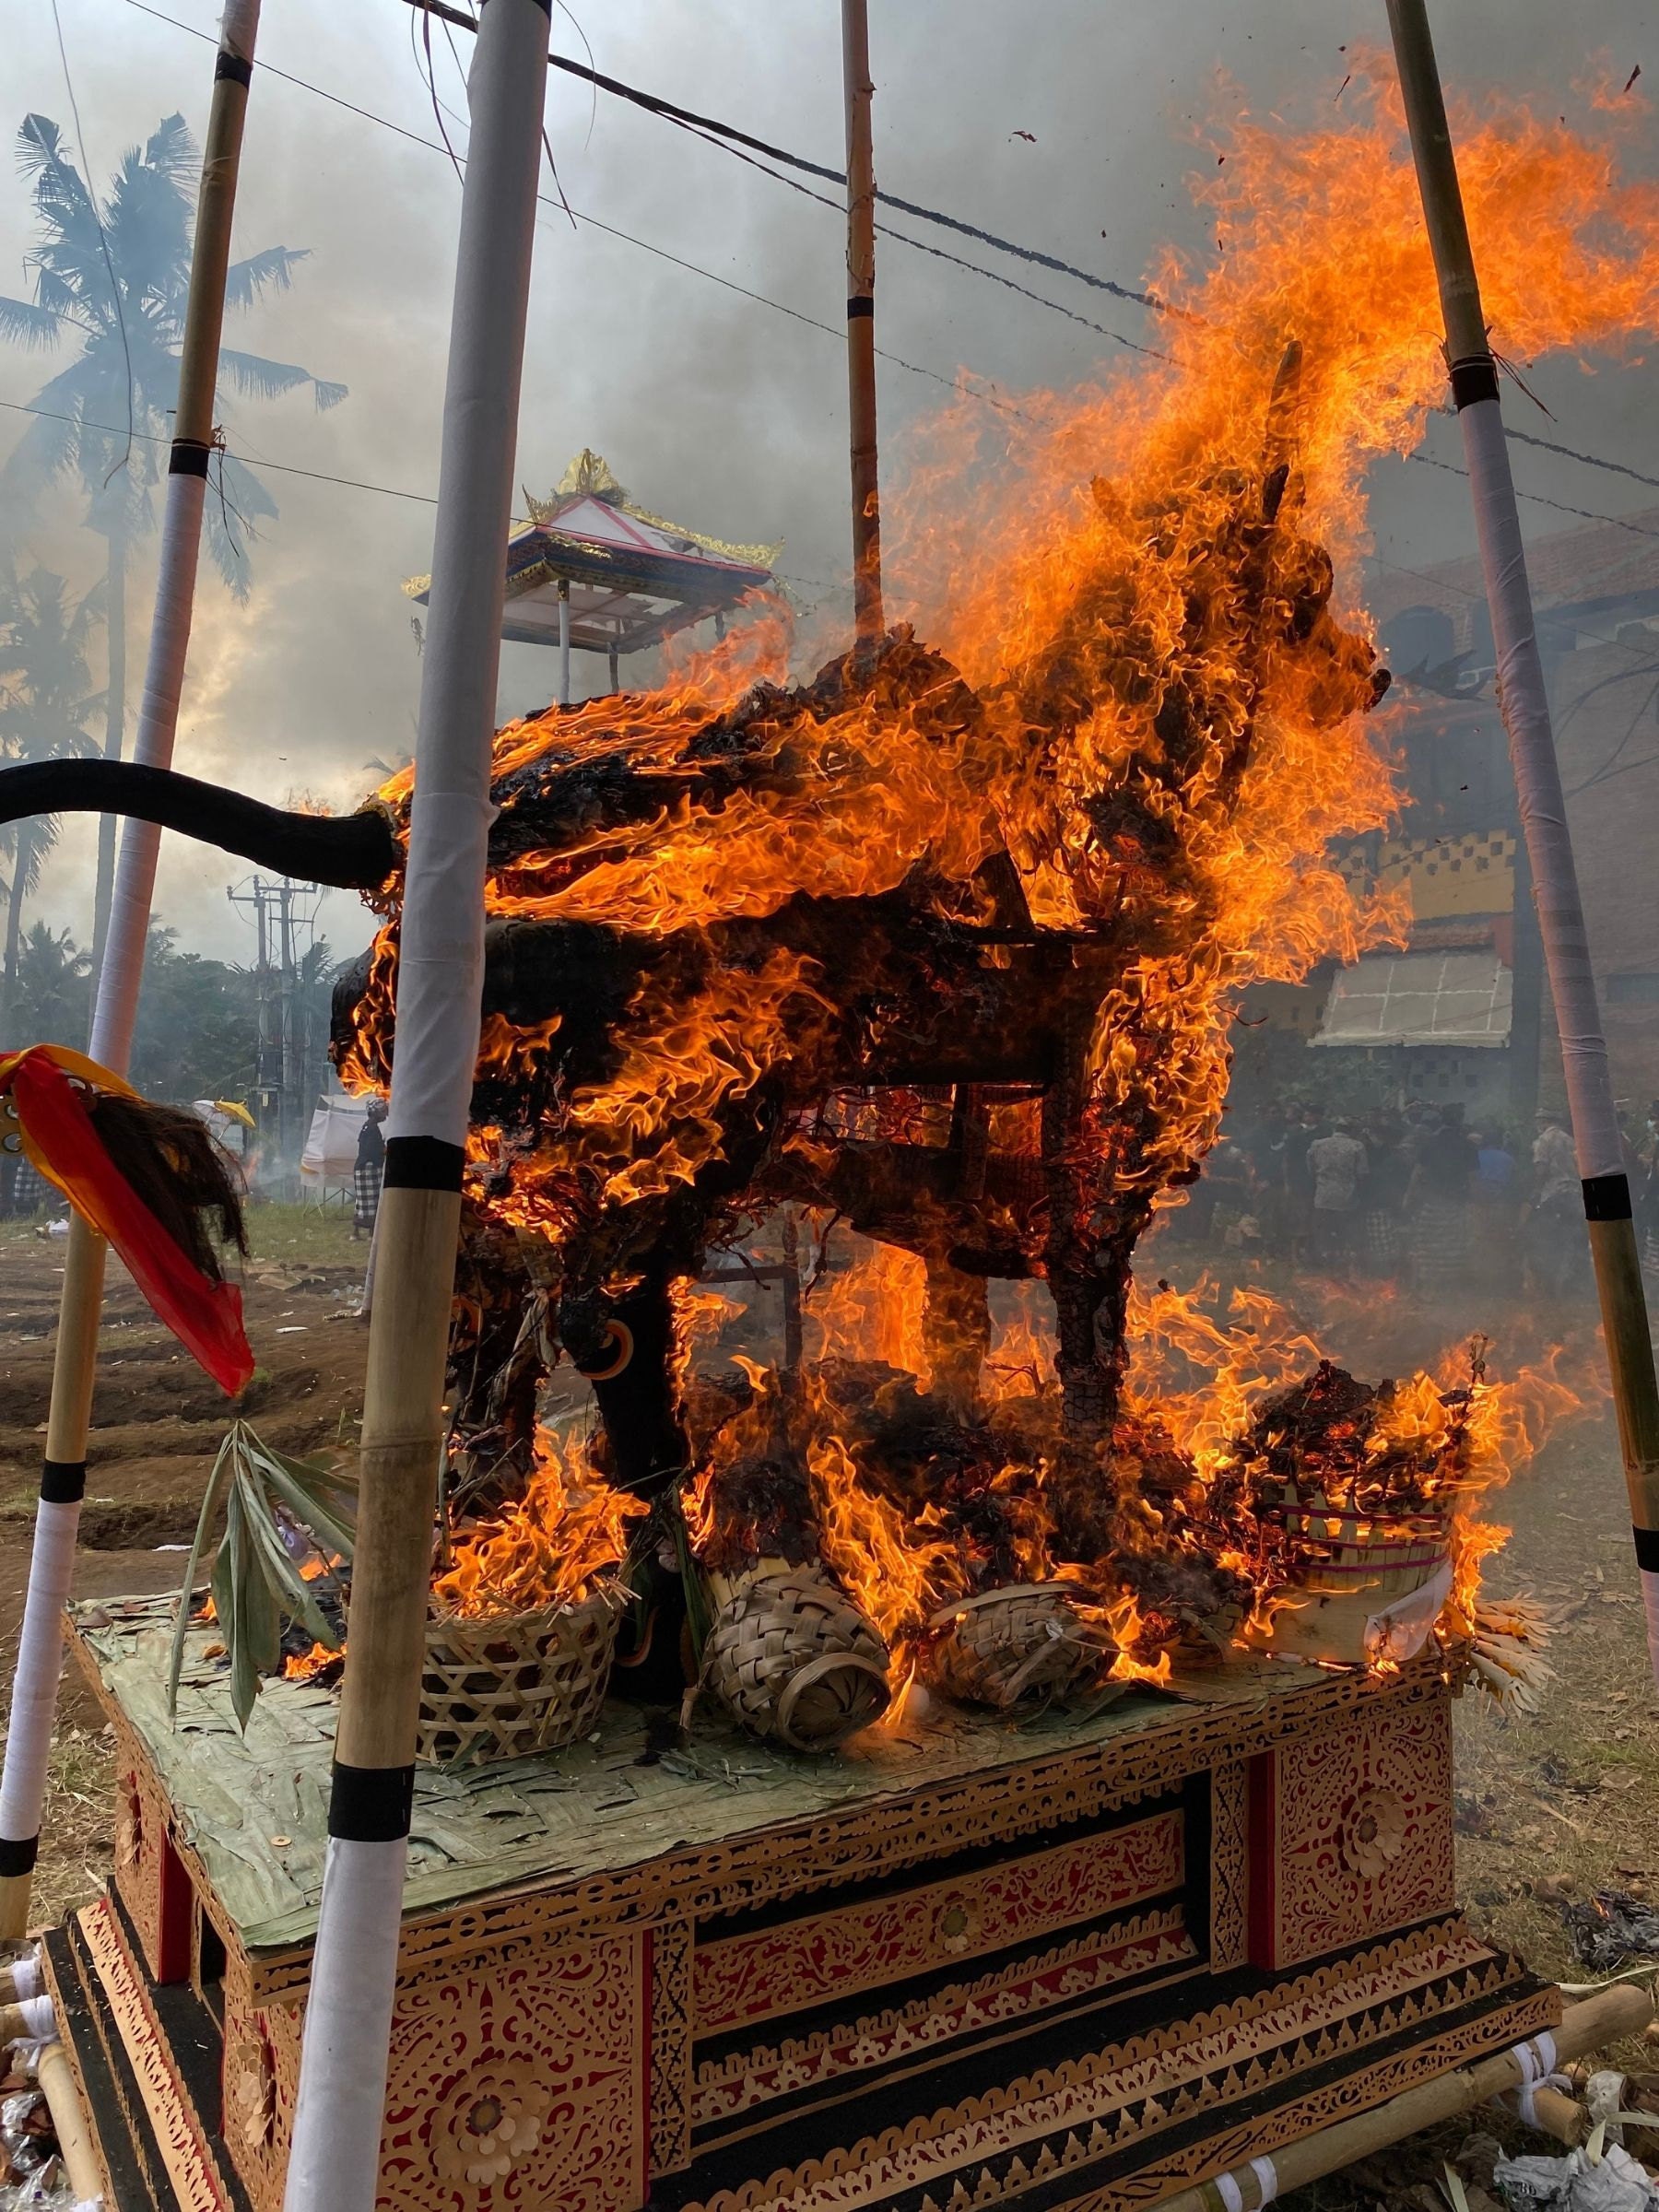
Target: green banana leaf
{"x":256,"y":1583}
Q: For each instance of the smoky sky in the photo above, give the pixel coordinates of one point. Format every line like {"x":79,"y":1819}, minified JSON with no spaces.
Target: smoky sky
{"x":1074,"y":126}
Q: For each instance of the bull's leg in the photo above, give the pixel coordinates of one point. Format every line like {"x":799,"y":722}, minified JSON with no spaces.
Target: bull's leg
{"x":1087,"y":1271}
{"x":626,"y":1349}
{"x":956,"y":1331}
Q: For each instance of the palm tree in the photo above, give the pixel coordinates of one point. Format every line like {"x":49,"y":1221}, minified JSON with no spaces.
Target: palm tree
{"x":54,"y":987}
{"x":46,"y":699}
{"x":114,"y":282}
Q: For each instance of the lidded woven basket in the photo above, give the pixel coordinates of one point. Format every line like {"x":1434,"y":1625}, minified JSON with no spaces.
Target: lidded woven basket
{"x":499,"y":1686}
{"x":1025,"y":1641}
{"x":793,"y":1659}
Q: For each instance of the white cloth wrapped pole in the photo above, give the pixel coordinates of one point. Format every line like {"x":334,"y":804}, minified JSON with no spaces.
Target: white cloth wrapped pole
{"x":1525,"y":707}
{"x":40,"y":1658}
{"x":335,"y":2161}
{"x":40,"y":1667}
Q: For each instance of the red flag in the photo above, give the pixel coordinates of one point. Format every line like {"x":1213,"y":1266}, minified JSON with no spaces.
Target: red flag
{"x":60,"y":1137}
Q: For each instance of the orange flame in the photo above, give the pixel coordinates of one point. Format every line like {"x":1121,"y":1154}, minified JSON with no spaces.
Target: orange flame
{"x":552,"y":1548}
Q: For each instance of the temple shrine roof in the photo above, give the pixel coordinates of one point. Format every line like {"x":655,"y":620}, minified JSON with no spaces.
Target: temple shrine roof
{"x":632,"y":577}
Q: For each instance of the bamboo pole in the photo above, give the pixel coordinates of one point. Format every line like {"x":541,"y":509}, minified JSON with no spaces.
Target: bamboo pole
{"x":64,"y":1474}
{"x":1622,"y":2010}
{"x":70,"y":2125}
{"x":1525,"y":707}
{"x":868,"y":623}
{"x":334,"y":2164}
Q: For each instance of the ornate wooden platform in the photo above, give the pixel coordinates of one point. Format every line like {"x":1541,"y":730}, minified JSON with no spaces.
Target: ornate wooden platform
{"x":1081,"y":1962}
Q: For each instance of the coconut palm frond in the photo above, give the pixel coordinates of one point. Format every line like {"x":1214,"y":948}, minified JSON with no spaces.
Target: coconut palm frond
{"x":256,"y":1582}
{"x":25,"y":324}
{"x":273,"y":271}
{"x":254,"y":377}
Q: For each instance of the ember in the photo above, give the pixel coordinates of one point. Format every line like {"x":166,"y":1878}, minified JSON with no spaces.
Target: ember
{"x":946,"y":944}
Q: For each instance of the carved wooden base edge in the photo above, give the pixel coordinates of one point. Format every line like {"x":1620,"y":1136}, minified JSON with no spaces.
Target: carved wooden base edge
{"x":190,"y":2168}
{"x":83,"y":2088}
{"x":1321,"y":2108}
{"x":990,"y":2150}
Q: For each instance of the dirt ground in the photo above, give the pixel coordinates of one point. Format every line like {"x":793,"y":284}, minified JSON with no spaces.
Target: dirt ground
{"x":157,"y":1422}
{"x":1550,"y":1807}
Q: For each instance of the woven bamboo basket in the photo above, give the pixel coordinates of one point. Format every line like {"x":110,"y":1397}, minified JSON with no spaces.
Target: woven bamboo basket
{"x":1027,"y":1641}
{"x":793,"y":1658}
{"x":1344,"y":1572}
{"x":497,"y":1687}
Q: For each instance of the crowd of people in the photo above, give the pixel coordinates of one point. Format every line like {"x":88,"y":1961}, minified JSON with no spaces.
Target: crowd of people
{"x":1416,"y":1197}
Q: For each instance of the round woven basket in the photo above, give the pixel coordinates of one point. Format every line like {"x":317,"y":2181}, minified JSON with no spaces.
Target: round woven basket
{"x":499,"y":1687}
{"x":1026,"y":1641}
{"x":793,"y":1658}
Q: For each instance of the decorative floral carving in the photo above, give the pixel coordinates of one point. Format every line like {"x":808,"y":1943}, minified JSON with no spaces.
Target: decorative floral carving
{"x":1356,"y":1835}
{"x":251,"y":2093}
{"x":490,"y":2122}
{"x":1373,"y":1832}
{"x":766,"y":1973}
{"x":518,"y":2084}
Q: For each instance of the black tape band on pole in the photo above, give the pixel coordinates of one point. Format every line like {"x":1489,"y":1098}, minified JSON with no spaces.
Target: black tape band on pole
{"x":860,"y":308}
{"x":1647,"y":1549}
{"x":63,"y":1481}
{"x":1473,"y":381}
{"x":371,"y":1805}
{"x":188,"y":458}
{"x":422,"y":1163}
{"x":233,"y":65}
{"x":1606,"y":1197}
{"x":17,"y":1856}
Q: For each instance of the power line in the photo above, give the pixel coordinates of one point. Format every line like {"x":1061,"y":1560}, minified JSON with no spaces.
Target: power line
{"x":704,"y":125}
{"x":284,"y":468}
{"x":1589,"y":514}
{"x":795,"y":314}
{"x":1545,"y":445}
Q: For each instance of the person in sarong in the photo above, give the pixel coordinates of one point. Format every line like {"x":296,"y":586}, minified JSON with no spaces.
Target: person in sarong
{"x":1438,"y":1199}
{"x":370,"y":1172}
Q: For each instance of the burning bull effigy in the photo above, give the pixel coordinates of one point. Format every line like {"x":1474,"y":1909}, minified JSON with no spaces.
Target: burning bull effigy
{"x":938,"y":951}
{"x":950,"y":962}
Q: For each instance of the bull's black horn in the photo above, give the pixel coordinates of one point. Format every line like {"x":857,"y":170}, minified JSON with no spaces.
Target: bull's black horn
{"x":352,"y":851}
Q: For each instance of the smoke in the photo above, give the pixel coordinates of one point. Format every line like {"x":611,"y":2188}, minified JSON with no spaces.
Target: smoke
{"x":1073,"y":127}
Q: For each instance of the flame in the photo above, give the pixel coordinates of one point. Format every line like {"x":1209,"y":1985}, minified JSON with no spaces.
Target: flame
{"x":552,"y":1548}
{"x":301,"y":1666}
{"x":1144,"y":702}
{"x":897,"y":1570}
{"x":869,"y":1309}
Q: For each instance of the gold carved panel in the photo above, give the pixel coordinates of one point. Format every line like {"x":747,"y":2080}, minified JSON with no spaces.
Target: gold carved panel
{"x":521,"y":2083}
{"x":1351,"y":1830}
{"x":670,"y":2085}
{"x":740,"y":1980}
{"x":1230,"y":1867}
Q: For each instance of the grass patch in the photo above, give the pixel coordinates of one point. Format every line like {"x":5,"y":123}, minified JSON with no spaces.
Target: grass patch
{"x":309,"y":1235}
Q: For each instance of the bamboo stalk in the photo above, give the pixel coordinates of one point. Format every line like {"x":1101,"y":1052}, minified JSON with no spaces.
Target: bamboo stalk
{"x":869,"y":622}
{"x":335,"y":2159}
{"x":63,"y":1474}
{"x":1623,"y":2010}
{"x":1524,"y":704}
{"x":70,"y":2125}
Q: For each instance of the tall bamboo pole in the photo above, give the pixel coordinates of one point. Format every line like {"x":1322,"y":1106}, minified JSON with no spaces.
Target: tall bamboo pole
{"x":64,"y":1474}
{"x":869,"y":624}
{"x":1526,"y":707}
{"x":336,"y":2154}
